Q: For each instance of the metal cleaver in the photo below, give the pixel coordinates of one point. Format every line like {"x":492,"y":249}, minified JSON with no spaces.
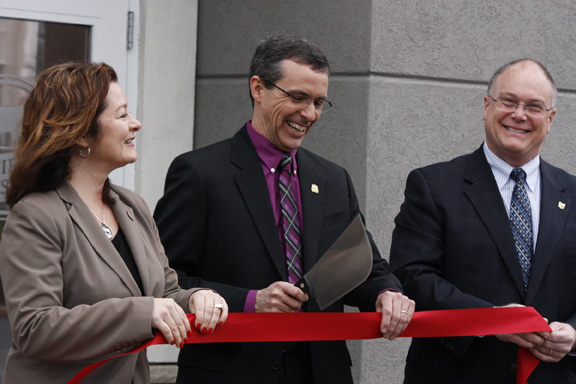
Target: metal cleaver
{"x":344,"y":266}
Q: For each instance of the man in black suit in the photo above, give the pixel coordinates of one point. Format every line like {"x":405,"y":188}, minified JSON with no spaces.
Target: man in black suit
{"x":472,"y":234}
{"x":221,"y":221}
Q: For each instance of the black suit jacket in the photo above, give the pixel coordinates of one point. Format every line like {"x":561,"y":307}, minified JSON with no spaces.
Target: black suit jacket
{"x":217,"y":225}
{"x":453,"y":248}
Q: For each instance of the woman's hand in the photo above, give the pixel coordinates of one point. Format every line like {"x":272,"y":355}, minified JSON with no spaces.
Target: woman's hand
{"x":210,"y":309}
{"x":170,"y":319}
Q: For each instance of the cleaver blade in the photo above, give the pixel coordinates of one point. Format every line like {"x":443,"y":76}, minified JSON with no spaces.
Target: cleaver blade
{"x":343,"y":267}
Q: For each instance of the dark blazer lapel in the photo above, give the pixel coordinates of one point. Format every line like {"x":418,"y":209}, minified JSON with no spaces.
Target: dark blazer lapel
{"x":484,"y":195}
{"x":252,"y":185}
{"x":312,"y":195}
{"x":84,"y":219}
{"x":131,"y":229}
{"x":555,"y":206}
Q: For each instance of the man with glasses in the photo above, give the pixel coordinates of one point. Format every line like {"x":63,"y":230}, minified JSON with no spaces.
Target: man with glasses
{"x":494,"y":228}
{"x":249,"y":215}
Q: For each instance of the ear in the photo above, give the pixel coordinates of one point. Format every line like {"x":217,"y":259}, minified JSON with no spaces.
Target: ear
{"x":82,"y":142}
{"x":486,"y":104}
{"x":551,"y":116}
{"x":256,"y":88}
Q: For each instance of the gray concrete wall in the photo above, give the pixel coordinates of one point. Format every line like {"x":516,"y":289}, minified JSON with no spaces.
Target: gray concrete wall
{"x":430,"y":65}
{"x":407,"y":82}
{"x":166,"y":90}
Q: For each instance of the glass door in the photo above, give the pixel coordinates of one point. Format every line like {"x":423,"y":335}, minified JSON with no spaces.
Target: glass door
{"x":26,"y":48}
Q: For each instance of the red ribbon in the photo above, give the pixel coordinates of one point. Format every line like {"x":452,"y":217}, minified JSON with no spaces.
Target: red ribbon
{"x":257,"y":327}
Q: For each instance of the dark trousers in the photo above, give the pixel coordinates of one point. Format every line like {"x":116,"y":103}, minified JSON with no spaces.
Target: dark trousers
{"x":298,"y":364}
{"x":292,"y":364}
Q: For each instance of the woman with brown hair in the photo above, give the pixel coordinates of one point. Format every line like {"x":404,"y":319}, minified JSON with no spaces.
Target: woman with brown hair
{"x":84,"y":274}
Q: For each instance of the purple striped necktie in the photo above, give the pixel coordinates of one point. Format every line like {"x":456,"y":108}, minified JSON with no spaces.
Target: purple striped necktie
{"x":290,"y":221}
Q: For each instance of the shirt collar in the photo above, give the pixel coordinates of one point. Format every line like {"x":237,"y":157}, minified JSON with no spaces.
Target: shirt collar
{"x":268,"y":153}
{"x":502,"y":169}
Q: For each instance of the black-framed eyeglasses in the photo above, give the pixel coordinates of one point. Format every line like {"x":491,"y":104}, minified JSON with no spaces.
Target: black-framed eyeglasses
{"x":320,"y":104}
{"x":507,"y":104}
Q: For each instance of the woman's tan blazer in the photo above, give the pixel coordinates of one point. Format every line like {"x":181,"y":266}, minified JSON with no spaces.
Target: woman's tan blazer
{"x":71,"y":299}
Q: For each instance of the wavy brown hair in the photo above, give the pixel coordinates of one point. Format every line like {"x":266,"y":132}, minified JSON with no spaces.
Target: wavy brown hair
{"x":63,"y":107}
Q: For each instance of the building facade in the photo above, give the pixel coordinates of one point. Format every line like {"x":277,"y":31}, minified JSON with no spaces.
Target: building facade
{"x":408,"y":79}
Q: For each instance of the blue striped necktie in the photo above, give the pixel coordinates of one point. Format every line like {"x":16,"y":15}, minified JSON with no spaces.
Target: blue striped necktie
{"x":290,"y":221}
{"x":521,"y":223}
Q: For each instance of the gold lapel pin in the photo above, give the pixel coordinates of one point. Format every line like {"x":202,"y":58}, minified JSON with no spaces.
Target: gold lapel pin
{"x":315,"y":188}
{"x":561,"y":205}
{"x":129,"y":215}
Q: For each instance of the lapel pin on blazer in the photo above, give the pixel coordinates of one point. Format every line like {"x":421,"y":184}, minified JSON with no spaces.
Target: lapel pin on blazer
{"x":315,"y":188}
{"x":561,"y":205}
{"x":129,"y":215}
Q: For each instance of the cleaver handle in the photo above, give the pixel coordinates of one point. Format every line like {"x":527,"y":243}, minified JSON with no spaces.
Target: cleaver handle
{"x":305,"y":285}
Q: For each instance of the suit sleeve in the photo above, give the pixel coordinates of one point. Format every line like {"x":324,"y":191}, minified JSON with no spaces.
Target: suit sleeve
{"x":417,"y":255}
{"x":181,"y":216}
{"x":44,"y":327}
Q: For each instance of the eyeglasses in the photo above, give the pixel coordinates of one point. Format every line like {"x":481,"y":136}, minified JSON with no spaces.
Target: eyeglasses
{"x":321,"y":104}
{"x":510,"y":105}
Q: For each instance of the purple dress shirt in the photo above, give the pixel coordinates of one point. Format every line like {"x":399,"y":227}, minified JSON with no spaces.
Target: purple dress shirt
{"x":270,"y":157}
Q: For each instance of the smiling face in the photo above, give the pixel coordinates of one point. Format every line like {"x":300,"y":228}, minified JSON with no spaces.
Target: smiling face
{"x":276,"y":116}
{"x":114,"y":146}
{"x":514,"y":136}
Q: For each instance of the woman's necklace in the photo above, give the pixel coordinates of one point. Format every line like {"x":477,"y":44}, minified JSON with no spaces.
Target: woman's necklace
{"x":107,"y":231}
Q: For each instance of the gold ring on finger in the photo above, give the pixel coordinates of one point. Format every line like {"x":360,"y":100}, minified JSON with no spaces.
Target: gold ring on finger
{"x":550,"y":353}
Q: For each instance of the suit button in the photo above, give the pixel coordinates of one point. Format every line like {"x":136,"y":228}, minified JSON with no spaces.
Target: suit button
{"x":275,"y":365}
{"x":513,"y":367}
